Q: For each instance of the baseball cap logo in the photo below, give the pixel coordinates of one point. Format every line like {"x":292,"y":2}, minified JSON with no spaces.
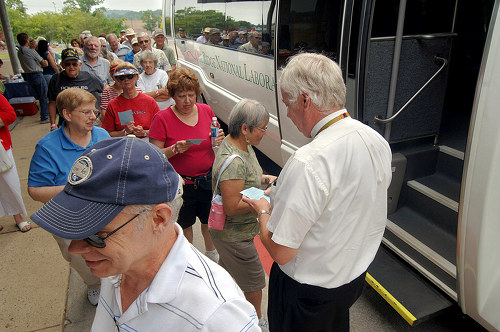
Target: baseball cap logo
{"x":81,"y":170}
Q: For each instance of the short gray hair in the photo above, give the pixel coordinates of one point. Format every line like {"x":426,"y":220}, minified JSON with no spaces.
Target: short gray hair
{"x":174,"y":205}
{"x":111,"y":35}
{"x":142,"y":34}
{"x":249,"y":112}
{"x":316,"y":75}
{"x":148,"y":55}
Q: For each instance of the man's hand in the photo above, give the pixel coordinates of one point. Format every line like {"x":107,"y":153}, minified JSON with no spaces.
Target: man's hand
{"x":257,"y":205}
{"x":44,"y":63}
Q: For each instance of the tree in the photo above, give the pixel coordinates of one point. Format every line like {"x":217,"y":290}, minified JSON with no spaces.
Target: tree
{"x":84,"y":5}
{"x":17,"y":5}
{"x":150,"y":19}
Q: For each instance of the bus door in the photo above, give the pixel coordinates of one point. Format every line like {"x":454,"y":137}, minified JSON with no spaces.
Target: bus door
{"x":413,"y":66}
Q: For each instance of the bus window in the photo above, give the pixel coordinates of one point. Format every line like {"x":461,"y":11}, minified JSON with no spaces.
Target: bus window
{"x":250,"y":16}
{"x":311,"y":26}
{"x":194,"y":17}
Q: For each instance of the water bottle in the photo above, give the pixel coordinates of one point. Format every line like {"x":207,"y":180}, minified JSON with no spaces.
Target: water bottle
{"x":214,"y":127}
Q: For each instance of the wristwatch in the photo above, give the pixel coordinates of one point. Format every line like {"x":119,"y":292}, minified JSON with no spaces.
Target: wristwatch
{"x":261,"y":213}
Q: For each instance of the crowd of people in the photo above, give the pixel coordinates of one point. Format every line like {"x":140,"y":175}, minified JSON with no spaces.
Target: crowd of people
{"x":239,"y":40}
{"x":132,"y":145}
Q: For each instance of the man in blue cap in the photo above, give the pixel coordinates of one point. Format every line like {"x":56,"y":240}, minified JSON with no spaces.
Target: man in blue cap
{"x":153,"y":279}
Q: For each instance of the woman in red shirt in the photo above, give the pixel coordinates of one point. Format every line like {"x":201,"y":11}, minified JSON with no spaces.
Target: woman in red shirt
{"x":133,"y":105}
{"x":171,"y":131}
{"x":11,"y":201}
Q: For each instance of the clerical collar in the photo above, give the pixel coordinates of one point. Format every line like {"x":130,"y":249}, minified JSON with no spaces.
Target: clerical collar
{"x":328,"y":121}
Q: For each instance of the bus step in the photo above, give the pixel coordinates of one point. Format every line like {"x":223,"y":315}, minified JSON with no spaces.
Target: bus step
{"x":413,"y":297}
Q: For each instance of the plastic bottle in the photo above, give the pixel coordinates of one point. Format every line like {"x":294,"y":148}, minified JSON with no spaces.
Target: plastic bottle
{"x":214,"y":127}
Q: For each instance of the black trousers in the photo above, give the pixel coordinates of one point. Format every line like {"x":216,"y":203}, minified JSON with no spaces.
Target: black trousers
{"x":300,"y":307}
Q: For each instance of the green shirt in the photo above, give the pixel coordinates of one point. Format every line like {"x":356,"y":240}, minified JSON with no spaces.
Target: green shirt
{"x":169,"y":53}
{"x":243,"y":226}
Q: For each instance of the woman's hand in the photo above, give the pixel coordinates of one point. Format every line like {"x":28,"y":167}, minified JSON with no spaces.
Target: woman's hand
{"x":220,"y":137}
{"x":139,"y":131}
{"x":129,"y":128}
{"x":182,"y":146}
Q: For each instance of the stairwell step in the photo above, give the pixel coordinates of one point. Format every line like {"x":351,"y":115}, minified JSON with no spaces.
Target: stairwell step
{"x":438,"y":197}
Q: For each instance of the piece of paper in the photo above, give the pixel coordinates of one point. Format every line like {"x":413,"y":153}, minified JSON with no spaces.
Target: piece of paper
{"x":255,"y":193}
{"x":196,"y":141}
{"x":125,"y":117}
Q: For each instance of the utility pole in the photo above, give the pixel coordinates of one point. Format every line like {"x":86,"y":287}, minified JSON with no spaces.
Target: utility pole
{"x":9,"y":39}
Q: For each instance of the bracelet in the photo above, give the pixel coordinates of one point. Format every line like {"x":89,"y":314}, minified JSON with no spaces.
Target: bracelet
{"x":174,"y":150}
{"x":266,"y":179}
{"x":124,"y":132}
{"x":157,"y":93}
{"x":261,"y":213}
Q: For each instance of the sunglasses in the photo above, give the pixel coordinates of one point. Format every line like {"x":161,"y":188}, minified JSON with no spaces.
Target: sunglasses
{"x":144,"y":42}
{"x":98,"y":241}
{"x":123,"y":77}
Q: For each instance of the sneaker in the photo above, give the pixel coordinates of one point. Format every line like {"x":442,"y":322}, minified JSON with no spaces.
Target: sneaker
{"x":93,"y":295}
{"x":213,"y":255}
{"x":263,"y":324}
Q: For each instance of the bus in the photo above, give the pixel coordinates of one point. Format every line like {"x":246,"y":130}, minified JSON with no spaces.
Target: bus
{"x":425,"y":74}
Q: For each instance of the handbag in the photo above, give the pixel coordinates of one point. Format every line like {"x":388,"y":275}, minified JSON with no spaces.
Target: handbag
{"x":217,"y":216}
{"x":5,"y":161}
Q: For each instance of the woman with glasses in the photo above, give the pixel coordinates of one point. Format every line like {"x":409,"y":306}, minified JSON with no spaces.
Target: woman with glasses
{"x":54,"y":156}
{"x":132,"y":111}
{"x":237,"y":253}
{"x":172,"y":131}
{"x":152,"y":80}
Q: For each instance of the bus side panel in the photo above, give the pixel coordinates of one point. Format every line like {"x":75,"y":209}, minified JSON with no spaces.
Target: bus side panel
{"x":479,"y":225}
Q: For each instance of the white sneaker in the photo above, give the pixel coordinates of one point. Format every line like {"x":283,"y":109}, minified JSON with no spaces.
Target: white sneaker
{"x":263,"y":324}
{"x":93,"y":295}
{"x":213,"y":255}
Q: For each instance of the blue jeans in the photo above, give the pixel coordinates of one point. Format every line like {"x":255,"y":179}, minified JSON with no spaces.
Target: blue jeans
{"x":39,"y":84}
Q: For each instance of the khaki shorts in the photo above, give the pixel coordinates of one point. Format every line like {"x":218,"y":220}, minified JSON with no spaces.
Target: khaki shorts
{"x":242,"y":261}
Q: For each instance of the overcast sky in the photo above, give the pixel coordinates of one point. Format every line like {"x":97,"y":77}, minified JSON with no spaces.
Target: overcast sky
{"x":44,"y":5}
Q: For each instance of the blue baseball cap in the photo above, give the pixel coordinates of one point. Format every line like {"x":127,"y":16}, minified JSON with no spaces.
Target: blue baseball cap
{"x":107,"y":177}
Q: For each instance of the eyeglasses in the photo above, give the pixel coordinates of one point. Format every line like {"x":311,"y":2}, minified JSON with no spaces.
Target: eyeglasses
{"x":98,"y":241}
{"x":71,"y":64}
{"x":144,"y":41}
{"x":88,"y":113}
{"x":123,"y":77}
{"x":262,"y":129}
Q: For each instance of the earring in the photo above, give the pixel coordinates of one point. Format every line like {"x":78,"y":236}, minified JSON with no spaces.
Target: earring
{"x":247,"y":140}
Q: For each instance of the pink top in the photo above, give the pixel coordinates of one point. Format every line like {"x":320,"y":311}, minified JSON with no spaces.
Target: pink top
{"x":198,"y":159}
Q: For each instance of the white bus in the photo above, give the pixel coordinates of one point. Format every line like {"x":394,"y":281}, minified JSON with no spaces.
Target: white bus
{"x":426,"y":75}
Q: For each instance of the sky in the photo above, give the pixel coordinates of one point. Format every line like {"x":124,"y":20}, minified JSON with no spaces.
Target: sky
{"x":35,"y":6}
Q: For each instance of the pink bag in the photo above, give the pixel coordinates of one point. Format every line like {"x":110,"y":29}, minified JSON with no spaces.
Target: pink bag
{"x":217,"y":216}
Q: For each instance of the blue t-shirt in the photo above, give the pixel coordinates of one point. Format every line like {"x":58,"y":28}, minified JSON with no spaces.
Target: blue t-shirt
{"x":129,"y":57}
{"x":54,"y":156}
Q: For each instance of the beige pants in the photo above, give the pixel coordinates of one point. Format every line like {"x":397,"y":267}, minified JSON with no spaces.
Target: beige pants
{"x":78,"y":263}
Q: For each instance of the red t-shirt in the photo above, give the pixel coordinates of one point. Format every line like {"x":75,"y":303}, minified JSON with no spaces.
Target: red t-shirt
{"x":8,"y":116}
{"x":197,"y":160}
{"x":143,"y":109}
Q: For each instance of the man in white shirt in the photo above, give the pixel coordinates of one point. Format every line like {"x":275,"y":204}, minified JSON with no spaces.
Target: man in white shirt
{"x":152,"y":278}
{"x":329,"y":204}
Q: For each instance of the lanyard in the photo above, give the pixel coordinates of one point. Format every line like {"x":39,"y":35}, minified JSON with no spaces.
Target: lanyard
{"x":332,"y":121}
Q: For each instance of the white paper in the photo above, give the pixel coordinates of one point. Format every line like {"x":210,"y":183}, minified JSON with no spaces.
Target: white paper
{"x":255,"y":193}
{"x":195,"y":140}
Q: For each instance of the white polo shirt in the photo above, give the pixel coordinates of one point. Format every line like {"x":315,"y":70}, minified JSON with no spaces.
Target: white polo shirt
{"x":189,"y":293}
{"x":330,"y":203}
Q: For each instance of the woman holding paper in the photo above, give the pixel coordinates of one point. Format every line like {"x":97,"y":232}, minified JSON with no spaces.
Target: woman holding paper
{"x":132,"y":111}
{"x":182,"y":131}
{"x":237,"y":252}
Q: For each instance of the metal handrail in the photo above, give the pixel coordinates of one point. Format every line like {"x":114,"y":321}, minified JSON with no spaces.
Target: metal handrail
{"x":389,"y":120}
{"x":422,"y":36}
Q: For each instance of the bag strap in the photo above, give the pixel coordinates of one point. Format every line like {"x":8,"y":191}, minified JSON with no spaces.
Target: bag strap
{"x":223,"y":167}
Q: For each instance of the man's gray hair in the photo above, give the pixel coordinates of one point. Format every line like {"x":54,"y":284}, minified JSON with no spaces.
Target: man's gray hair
{"x":111,"y":35}
{"x":142,"y":34}
{"x":316,"y":75}
{"x":88,"y":39}
{"x":249,"y":112}
{"x":148,"y":55}
{"x":175,"y":206}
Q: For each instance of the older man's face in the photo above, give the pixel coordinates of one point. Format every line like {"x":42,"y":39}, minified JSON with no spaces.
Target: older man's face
{"x":294,"y":111}
{"x":71,"y":67}
{"x":113,"y":43}
{"x":125,"y":250}
{"x":160,"y":40}
{"x":214,"y":38}
{"x":256,"y":39}
{"x":144,"y":42}
{"x":92,"y":48}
